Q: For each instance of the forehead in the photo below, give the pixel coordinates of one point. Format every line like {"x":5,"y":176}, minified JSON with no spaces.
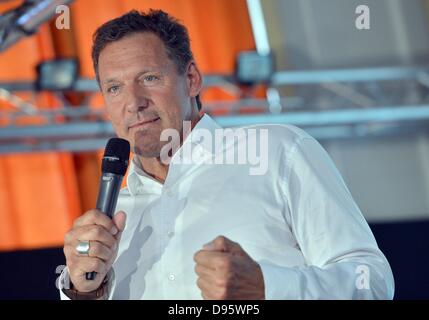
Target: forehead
{"x":139,"y":50}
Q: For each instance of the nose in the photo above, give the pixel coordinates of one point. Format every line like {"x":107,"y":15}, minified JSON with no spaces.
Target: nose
{"x":136,"y":99}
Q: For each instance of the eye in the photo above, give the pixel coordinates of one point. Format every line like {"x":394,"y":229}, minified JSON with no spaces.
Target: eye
{"x":113,"y":90}
{"x":150,"y":79}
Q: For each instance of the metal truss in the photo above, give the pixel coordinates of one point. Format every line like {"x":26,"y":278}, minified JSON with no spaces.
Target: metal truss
{"x":327,"y":103}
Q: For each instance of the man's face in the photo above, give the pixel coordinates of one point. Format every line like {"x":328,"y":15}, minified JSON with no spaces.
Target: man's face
{"x":144,"y":92}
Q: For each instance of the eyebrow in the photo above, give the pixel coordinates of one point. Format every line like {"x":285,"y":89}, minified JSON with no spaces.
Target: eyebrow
{"x":110,"y":80}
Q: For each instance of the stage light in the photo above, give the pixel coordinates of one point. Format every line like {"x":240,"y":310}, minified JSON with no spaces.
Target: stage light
{"x":252,"y":67}
{"x":57,"y":75}
{"x":23,"y":21}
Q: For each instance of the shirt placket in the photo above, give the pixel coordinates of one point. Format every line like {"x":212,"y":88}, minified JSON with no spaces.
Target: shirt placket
{"x":166,"y":233}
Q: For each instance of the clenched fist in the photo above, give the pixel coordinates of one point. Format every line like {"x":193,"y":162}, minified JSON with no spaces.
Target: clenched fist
{"x":226,"y":271}
{"x":103,"y":235}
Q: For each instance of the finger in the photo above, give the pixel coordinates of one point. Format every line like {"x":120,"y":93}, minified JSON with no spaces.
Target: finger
{"x":222,"y":243}
{"x":81,"y":265}
{"x":212,"y":259}
{"x":205,"y":297}
{"x":96,"y":217}
{"x":204,"y":272}
{"x":119,"y":219}
{"x":96,"y":250}
{"x":216,"y":278}
{"x":90,"y":233}
{"x":206,"y":289}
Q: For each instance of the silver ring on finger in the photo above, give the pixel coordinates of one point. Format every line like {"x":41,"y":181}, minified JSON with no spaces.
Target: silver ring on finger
{"x":83,"y":247}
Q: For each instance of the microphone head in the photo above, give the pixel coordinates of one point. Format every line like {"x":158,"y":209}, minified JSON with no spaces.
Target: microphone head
{"x":116,"y":155}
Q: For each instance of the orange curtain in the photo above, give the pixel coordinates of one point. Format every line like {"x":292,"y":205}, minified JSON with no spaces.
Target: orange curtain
{"x":41,"y":194}
{"x":38,"y":192}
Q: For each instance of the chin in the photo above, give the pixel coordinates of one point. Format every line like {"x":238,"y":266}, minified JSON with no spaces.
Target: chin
{"x":147,"y":151}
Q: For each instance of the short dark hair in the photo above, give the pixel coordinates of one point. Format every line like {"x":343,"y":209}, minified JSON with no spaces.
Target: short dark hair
{"x":173,"y":34}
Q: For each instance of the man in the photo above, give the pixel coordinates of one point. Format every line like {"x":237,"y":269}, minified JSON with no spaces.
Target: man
{"x":199,"y":229}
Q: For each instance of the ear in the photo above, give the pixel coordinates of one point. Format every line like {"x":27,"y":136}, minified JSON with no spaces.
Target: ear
{"x":194,"y":79}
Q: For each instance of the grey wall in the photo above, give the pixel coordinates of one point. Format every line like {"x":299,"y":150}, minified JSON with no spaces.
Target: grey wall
{"x":307,"y":34}
{"x":389,"y":176}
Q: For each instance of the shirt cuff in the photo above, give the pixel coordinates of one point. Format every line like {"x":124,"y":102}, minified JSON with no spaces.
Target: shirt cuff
{"x":281,"y":283}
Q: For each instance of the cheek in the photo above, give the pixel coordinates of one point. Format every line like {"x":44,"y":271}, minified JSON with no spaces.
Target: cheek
{"x":171,"y":118}
{"x":175,"y":108}
{"x":117,"y":121}
{"x":119,"y":130}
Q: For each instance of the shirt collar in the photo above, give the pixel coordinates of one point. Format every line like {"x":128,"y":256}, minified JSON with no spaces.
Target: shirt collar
{"x":137,"y":177}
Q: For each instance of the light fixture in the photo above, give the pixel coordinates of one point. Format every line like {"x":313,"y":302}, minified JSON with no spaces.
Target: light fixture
{"x":252,"y":67}
{"x":57,"y":74}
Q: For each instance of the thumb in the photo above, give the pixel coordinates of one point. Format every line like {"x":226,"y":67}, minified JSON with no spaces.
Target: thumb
{"x":119,"y":220}
{"x":222,"y":243}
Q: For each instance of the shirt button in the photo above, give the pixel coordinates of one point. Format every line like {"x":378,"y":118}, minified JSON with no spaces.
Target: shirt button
{"x":172,"y":277}
{"x":169,"y":193}
{"x":170,"y":234}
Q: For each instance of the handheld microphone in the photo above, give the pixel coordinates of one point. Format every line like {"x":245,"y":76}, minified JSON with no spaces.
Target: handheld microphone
{"x":113,"y":168}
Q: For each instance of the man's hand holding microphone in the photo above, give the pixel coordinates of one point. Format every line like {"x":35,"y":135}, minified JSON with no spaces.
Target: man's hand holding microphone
{"x":91,"y":246}
{"x":103,"y":235}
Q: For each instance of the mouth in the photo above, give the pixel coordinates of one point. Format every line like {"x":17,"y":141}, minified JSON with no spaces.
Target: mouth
{"x":143,"y":123}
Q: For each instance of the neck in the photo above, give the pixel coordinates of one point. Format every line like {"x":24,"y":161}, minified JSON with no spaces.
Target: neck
{"x":155,"y":167}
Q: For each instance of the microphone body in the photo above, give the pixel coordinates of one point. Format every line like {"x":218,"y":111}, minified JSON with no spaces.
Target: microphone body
{"x":114,"y":166}
{"x":110,"y":185}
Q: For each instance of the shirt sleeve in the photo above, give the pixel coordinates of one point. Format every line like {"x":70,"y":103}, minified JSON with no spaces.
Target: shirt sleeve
{"x":342,"y":258}
{"x":64,"y":283}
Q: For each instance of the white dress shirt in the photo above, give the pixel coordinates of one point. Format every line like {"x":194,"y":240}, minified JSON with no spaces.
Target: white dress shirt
{"x":298,"y":221}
